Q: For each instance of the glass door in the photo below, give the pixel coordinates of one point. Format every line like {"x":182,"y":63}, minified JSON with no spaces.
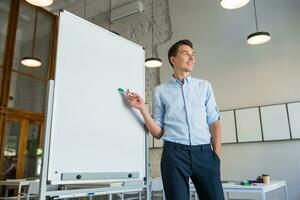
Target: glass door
{"x":33,"y":157}
{"x":11,"y":149}
{"x":21,"y":149}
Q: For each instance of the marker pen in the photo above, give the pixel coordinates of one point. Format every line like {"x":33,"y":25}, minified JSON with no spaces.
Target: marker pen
{"x":122,"y":91}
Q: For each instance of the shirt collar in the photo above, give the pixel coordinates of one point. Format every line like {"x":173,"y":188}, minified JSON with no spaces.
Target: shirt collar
{"x":186,"y":80}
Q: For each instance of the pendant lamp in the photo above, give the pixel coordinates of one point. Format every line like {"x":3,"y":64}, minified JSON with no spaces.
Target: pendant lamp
{"x":153,"y":61}
{"x":41,"y":3}
{"x":258,"y":37}
{"x":233,"y":4}
{"x":32,"y":61}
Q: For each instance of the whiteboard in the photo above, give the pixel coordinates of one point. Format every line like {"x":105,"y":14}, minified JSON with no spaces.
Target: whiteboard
{"x":248,"y":125}
{"x":94,"y":131}
{"x":275,"y":122}
{"x":294,"y":116}
{"x":228,"y":127}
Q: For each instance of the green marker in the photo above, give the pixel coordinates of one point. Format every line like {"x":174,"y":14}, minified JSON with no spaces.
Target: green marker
{"x":121,"y":91}
{"x":245,"y":183}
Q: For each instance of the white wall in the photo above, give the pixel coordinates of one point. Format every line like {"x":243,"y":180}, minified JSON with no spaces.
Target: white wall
{"x":279,"y":159}
{"x":244,"y":75}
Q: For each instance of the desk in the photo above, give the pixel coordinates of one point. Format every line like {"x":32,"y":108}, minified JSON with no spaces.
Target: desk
{"x":259,"y":188}
{"x":16,"y":183}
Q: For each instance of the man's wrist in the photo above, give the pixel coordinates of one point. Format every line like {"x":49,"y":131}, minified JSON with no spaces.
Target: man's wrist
{"x":217,"y":151}
{"x":143,"y":109}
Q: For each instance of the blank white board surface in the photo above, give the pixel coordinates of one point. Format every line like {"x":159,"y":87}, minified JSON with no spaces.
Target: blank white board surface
{"x":294,"y":116}
{"x":228,"y":127}
{"x":248,"y":125}
{"x":94,"y":131}
{"x":275,"y":122}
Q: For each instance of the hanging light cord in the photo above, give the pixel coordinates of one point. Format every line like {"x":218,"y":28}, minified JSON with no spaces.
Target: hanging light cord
{"x":255,"y":15}
{"x":152,"y":24}
{"x":34,"y":32}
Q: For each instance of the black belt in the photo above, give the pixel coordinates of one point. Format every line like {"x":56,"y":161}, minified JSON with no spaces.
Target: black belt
{"x":183,"y":146}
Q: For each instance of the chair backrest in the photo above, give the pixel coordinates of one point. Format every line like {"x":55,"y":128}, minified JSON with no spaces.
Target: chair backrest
{"x":156,"y":184}
{"x":33,"y":189}
{"x":16,"y":179}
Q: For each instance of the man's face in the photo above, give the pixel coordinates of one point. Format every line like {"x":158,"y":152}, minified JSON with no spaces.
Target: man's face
{"x":184,"y":60}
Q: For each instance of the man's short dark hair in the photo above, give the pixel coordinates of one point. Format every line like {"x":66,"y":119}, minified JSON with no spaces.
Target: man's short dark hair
{"x":174,"y":48}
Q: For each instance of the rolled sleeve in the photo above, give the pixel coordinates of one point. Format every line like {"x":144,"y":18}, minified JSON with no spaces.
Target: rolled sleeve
{"x":212,"y":110}
{"x":158,"y":110}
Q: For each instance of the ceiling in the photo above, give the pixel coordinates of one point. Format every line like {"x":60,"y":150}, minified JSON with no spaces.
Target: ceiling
{"x":82,"y":8}
{"x":93,"y":7}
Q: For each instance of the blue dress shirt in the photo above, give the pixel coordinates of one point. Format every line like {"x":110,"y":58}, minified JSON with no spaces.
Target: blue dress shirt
{"x":185,"y":110}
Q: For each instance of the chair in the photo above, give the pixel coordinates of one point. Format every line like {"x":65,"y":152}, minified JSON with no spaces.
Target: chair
{"x":130,"y":196}
{"x":156,"y":191}
{"x":32,"y":192}
{"x":193,"y":192}
{"x":134,"y":195}
{"x":156,"y":188}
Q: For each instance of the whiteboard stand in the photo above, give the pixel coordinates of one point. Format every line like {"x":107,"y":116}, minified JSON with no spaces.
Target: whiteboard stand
{"x":46,"y":190}
{"x":46,"y":148}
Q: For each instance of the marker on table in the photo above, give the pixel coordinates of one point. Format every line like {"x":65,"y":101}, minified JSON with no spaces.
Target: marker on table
{"x":122,"y":91}
{"x":245,"y":183}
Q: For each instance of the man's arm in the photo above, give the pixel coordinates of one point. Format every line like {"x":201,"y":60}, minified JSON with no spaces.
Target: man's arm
{"x":152,"y":126}
{"x":215,"y":129}
{"x":138,"y":102}
{"x":213,"y":117}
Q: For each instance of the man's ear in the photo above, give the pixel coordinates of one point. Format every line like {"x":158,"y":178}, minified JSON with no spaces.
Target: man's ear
{"x":172,"y":60}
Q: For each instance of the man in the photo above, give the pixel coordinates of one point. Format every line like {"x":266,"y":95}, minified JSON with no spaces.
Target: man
{"x":185,"y":114}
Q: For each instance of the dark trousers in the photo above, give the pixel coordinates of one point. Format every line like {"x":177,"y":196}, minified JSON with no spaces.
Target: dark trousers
{"x":181,"y":162}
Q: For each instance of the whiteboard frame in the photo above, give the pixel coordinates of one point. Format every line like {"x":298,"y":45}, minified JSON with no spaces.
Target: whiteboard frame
{"x":45,"y":184}
{"x":294,"y":116}
{"x":98,"y":49}
{"x":228,"y":126}
{"x":245,"y":125}
{"x":275,"y":130}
